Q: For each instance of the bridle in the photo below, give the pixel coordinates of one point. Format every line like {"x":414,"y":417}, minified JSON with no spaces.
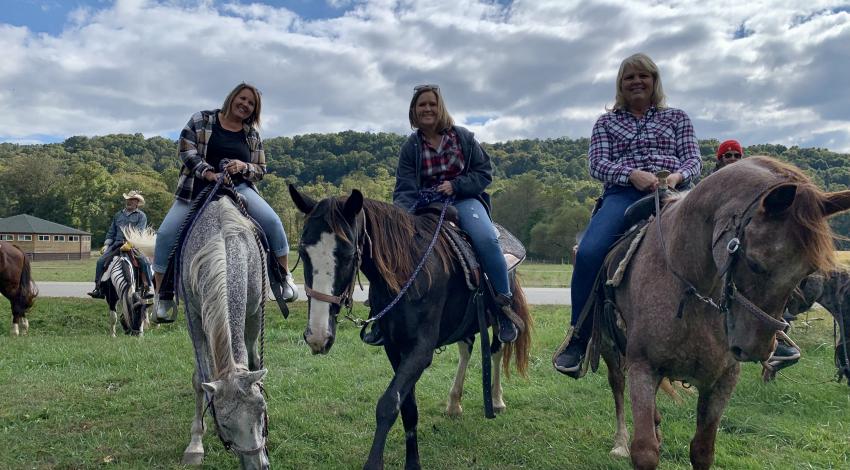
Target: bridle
{"x":345,"y":299}
{"x":230,"y":445}
{"x":737,"y":225}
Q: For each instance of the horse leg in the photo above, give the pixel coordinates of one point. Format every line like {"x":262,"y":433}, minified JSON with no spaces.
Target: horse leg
{"x":26,"y":324}
{"x":710,"y":406}
{"x":113,"y":317}
{"x":643,"y":383}
{"x":496,"y":387}
{"x":453,"y":408}
{"x":398,"y":396}
{"x":15,"y":331}
{"x":194,"y":453}
{"x":617,"y":381}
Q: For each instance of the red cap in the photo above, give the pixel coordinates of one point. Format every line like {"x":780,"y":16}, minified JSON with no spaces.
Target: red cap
{"x":728,"y":145}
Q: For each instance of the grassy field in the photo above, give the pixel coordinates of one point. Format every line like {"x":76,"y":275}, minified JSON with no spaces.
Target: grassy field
{"x":532,"y":274}
{"x":74,"y":398}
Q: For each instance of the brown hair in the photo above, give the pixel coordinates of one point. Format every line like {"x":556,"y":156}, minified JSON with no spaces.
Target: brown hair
{"x":254,"y":119}
{"x":444,"y":119}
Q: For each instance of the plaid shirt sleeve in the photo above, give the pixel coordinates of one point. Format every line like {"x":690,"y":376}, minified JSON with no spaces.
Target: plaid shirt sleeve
{"x":599,"y":156}
{"x":188,"y":146}
{"x":687,"y":149}
{"x":255,"y":170}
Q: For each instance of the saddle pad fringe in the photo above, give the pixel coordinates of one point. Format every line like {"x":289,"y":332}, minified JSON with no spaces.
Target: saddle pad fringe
{"x":617,"y":278}
{"x":465,"y":256}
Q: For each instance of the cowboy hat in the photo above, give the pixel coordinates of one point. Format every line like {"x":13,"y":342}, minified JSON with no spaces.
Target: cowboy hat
{"x":135,"y":195}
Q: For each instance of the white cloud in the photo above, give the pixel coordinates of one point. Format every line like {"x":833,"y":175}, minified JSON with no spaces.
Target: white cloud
{"x":533,"y":68}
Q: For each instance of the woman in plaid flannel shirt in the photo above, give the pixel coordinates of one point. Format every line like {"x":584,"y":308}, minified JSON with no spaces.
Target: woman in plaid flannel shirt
{"x":228,"y":137}
{"x":629,"y":144}
{"x":443,"y":158}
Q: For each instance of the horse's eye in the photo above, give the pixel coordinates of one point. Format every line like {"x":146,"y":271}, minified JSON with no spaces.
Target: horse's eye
{"x":755,"y":266}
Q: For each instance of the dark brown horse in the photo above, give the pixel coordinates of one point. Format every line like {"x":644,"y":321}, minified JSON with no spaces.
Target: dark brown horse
{"x":705,"y":290}
{"x":17,"y":285}
{"x":385,"y":243}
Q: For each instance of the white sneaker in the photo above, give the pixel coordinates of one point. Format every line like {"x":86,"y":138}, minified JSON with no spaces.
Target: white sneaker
{"x":290,"y":290}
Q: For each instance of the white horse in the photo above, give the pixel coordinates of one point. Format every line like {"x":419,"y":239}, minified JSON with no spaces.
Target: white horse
{"x":224,"y":285}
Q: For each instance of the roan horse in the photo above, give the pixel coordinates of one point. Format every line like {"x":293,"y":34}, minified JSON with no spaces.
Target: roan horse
{"x":705,"y":290}
{"x":16,"y":284}
{"x":342,"y":235}
{"x":224,"y":288}
{"x":123,"y":290}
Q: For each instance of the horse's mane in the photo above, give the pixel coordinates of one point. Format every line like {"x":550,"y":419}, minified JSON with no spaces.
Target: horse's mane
{"x":208,"y":274}
{"x":398,"y":240}
{"x":809,"y":227}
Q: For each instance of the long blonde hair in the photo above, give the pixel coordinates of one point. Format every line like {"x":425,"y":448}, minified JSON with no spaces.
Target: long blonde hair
{"x":254,"y":119}
{"x":643,"y":62}
{"x":444,"y":119}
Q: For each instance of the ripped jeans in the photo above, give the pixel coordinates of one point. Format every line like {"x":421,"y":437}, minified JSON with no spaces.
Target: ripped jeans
{"x":475,"y":221}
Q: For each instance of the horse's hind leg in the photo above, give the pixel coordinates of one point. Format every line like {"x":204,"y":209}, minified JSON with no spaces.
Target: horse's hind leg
{"x":710,"y":406}
{"x":617,"y":381}
{"x":194,"y":453}
{"x":26,"y":325}
{"x":496,"y":388}
{"x":15,"y":331}
{"x":643,"y":383}
{"x":453,"y":408}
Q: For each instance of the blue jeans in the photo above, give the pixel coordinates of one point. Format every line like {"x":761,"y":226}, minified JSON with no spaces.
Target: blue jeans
{"x":605,"y":228}
{"x":475,"y":221}
{"x":258,"y":208}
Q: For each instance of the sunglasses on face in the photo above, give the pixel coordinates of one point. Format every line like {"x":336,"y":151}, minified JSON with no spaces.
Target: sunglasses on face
{"x":734,"y":155}
{"x":419,"y":88}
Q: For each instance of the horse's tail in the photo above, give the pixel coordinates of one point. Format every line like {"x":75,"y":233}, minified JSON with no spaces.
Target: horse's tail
{"x":521,"y":348}
{"x":27,"y":290}
{"x":143,"y":240}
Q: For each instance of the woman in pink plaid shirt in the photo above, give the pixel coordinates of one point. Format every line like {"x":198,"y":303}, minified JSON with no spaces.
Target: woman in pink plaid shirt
{"x":630,"y":143}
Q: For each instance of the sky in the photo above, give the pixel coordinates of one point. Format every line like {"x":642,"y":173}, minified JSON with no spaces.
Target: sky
{"x":773,"y":71}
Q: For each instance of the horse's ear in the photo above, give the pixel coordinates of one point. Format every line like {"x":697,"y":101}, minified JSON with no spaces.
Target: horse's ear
{"x":256,"y":376}
{"x":779,"y":199}
{"x":353,"y":204}
{"x":211,"y":387}
{"x":303,"y":202}
{"x":836,"y":202}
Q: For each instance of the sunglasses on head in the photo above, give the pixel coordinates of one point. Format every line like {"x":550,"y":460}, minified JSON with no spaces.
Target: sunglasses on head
{"x":734,"y":155}
{"x":429,"y":87}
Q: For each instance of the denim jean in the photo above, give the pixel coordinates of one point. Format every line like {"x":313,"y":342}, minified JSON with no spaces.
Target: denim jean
{"x":605,"y":228}
{"x":475,"y":221}
{"x":258,"y":208}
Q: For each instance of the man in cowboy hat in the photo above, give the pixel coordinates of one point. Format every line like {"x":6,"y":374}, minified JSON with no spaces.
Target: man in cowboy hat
{"x":131,"y":215}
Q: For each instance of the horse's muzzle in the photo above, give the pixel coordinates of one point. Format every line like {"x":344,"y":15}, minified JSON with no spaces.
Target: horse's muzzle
{"x":318,"y":344}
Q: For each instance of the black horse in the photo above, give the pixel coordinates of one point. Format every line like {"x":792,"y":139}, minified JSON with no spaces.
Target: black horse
{"x":342,"y":235}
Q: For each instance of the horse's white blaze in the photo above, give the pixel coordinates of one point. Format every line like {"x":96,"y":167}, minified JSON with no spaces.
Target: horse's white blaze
{"x":324,"y":275}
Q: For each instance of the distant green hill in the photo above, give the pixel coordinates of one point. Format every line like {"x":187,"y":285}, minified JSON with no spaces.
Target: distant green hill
{"x":542,"y":190}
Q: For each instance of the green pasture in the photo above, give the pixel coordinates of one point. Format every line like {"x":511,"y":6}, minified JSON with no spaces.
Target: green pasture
{"x":533,"y":274}
{"x":74,"y":398}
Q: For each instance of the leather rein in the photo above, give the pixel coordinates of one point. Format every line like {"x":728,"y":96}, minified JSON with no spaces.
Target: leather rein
{"x":733,"y":247}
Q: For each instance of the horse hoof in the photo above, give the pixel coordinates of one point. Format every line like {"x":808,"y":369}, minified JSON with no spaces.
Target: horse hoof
{"x":192,"y":458}
{"x":454,"y":411}
{"x":499,"y":407}
{"x":619,"y":452}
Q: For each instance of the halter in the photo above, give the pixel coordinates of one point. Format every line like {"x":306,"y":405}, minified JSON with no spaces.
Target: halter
{"x":730,"y":291}
{"x":345,"y":300}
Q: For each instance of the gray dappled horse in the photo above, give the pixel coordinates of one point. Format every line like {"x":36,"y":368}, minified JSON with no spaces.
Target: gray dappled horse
{"x":222,"y":277}
{"x":743,"y":237}
{"x":344,"y":235}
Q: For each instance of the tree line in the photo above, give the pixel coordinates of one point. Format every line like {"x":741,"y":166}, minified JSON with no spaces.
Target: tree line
{"x":541,"y":192}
